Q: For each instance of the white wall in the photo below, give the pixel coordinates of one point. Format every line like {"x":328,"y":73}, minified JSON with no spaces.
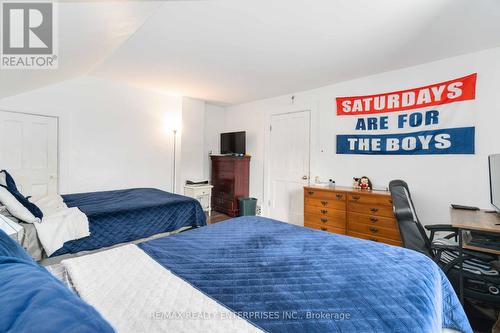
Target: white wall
{"x":192,"y":142}
{"x":214,"y":122}
{"x":111,"y":135}
{"x":435,"y":181}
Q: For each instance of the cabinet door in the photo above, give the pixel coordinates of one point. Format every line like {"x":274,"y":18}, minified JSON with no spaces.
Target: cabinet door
{"x":224,"y":189}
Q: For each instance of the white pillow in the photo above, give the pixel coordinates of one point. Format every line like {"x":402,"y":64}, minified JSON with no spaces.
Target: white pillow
{"x":16,"y":208}
{"x":3,"y":180}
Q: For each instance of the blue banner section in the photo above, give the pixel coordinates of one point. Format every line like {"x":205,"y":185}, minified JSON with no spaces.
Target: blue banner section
{"x":441,"y":141}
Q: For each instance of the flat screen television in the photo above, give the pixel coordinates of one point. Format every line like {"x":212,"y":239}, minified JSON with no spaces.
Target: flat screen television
{"x":494,"y":162}
{"x":233,"y":143}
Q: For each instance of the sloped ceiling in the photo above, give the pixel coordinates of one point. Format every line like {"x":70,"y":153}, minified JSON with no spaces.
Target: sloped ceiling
{"x":228,"y":51}
{"x":88,"y":33}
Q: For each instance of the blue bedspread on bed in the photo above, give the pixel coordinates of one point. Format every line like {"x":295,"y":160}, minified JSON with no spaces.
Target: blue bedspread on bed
{"x":280,"y":275}
{"x":127,"y":215}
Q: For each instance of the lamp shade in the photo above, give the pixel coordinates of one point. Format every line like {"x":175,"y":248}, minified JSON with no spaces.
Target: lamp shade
{"x":172,"y":122}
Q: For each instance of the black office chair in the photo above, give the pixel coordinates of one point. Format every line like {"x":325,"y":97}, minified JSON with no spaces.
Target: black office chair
{"x":481,"y":278}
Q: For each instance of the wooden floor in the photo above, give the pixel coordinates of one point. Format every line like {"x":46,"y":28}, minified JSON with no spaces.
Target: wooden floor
{"x":217,"y":217}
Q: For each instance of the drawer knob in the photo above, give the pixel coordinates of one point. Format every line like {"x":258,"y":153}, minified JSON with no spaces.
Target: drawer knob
{"x":339,"y":196}
{"x":373,"y":219}
{"x":323,"y":211}
{"x":374,"y":210}
{"x":373,"y":239}
{"x":372,"y":229}
{"x":324,"y":203}
{"x":310,"y":192}
{"x":356,"y":197}
{"x":324,"y":228}
{"x":324,"y":220}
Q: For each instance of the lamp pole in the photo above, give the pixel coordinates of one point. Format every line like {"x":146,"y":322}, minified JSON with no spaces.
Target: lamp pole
{"x":175,"y":147}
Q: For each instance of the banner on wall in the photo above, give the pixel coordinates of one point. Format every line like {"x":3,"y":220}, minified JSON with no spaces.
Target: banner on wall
{"x":434,"y":119}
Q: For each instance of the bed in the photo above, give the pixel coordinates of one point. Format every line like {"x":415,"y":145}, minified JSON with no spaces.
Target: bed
{"x":57,"y":226}
{"x":126,"y":215}
{"x":253,"y":274}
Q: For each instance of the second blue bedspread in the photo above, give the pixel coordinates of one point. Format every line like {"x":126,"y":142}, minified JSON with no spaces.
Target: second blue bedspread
{"x":126,"y":215}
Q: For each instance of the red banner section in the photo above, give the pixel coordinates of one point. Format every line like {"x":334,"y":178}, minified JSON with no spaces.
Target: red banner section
{"x":460,"y":89}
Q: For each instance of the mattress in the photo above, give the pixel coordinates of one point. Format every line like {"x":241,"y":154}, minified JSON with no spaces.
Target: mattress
{"x":275,"y":276}
{"x":126,"y":215}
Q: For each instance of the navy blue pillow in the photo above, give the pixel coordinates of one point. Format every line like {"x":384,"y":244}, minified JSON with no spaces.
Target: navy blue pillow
{"x":9,"y":181}
{"x":25,"y":202}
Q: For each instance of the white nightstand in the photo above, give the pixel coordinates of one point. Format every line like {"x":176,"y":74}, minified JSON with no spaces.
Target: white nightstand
{"x":202,"y":193}
{"x":14,"y":230}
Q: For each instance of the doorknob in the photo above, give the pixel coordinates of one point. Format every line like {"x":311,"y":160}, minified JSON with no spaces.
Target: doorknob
{"x":305,"y":177}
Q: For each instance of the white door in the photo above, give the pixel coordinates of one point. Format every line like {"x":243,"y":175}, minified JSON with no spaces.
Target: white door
{"x":28,"y":151}
{"x":289,"y":165}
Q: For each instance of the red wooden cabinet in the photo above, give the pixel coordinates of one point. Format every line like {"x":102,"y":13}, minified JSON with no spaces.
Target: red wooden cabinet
{"x":230,"y":180}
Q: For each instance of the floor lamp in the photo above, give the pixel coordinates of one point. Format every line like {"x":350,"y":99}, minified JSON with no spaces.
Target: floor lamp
{"x":175,"y":149}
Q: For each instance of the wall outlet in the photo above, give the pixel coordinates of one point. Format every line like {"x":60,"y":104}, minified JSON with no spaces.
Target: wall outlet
{"x":258,"y":210}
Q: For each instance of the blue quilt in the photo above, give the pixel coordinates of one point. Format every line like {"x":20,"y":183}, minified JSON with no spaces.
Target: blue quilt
{"x":285,"y":278}
{"x":127,"y":215}
{"x":32,"y":300}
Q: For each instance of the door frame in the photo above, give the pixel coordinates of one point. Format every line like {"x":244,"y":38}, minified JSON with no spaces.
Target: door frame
{"x":267,"y":144}
{"x":58,"y":140}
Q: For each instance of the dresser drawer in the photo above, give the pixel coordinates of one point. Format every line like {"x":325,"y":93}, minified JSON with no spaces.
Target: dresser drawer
{"x":323,"y":194}
{"x":325,"y":228}
{"x":324,"y":211}
{"x":375,"y":238}
{"x":206,"y":191}
{"x":371,"y":209}
{"x":223,"y":176}
{"x":374,"y":220}
{"x":325,"y":203}
{"x":192,"y":192}
{"x":370,"y":199}
{"x":371,"y":230}
{"x":224,"y":165}
{"x":338,"y":222}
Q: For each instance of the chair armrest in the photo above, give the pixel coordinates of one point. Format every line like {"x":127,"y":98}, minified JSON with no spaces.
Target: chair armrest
{"x":433,"y":228}
{"x":440,"y":227}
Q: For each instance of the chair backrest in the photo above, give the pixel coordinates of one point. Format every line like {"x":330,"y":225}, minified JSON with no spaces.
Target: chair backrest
{"x":412,"y":232}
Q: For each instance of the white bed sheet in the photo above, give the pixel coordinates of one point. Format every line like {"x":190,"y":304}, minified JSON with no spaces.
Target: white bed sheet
{"x":60,"y":224}
{"x":136,"y":294}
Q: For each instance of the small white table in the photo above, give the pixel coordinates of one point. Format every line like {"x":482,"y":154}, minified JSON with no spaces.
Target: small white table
{"x":202,"y":193}
{"x":12,"y":229}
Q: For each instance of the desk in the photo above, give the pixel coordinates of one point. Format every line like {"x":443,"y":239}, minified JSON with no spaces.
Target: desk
{"x":469,"y":220}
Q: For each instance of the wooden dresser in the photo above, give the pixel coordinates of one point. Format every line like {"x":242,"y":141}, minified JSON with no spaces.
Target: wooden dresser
{"x":230,"y":178}
{"x":347,"y":211}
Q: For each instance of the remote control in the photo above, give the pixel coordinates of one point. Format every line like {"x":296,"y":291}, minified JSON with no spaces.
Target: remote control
{"x":464,"y":207}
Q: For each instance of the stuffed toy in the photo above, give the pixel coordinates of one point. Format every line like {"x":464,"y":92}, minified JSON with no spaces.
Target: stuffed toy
{"x":364,"y":183}
{"x":355,"y":182}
